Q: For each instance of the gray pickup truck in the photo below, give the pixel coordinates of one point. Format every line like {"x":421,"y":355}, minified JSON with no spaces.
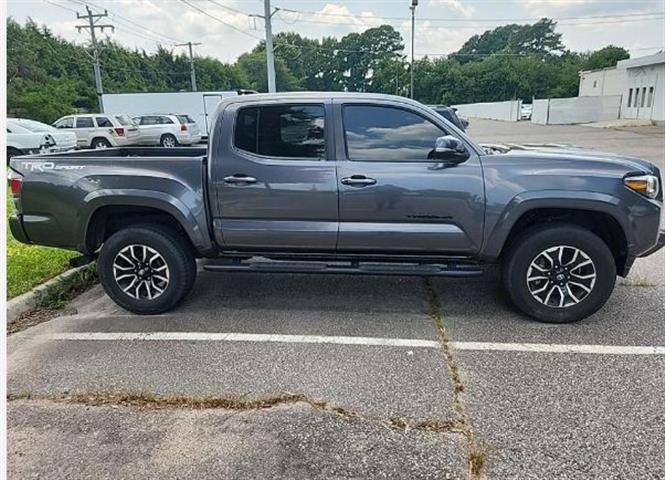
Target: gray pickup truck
{"x":344,"y":183}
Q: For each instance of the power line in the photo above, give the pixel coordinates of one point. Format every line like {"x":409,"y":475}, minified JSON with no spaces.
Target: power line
{"x":472,"y":20}
{"x":126,"y":22}
{"x":220,"y":20}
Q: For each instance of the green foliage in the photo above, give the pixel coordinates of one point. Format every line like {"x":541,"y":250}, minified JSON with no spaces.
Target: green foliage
{"x":538,"y":39}
{"x":605,"y":57}
{"x":48,"y":77}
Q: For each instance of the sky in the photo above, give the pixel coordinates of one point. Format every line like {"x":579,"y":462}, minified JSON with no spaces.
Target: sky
{"x":225,"y":28}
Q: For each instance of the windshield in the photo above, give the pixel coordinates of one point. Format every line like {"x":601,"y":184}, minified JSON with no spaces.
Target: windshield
{"x":125,"y":120}
{"x":33,"y":126}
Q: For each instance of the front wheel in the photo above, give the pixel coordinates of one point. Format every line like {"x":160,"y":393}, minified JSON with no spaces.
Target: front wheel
{"x":559,"y":273}
{"x":146,"y":270}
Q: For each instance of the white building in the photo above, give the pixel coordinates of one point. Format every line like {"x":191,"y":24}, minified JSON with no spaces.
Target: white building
{"x":639,"y":81}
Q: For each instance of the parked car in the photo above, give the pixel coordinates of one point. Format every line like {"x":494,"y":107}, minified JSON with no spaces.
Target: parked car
{"x":345,"y":183}
{"x":99,"y":130}
{"x":26,"y":136}
{"x":167,"y":130}
{"x":450,"y":114}
{"x":526,"y":111}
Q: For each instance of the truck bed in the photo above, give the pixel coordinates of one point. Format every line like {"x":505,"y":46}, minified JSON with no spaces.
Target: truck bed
{"x":62,"y":193}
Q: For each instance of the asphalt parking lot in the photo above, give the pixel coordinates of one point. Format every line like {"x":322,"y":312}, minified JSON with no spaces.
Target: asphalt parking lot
{"x":297,"y":376}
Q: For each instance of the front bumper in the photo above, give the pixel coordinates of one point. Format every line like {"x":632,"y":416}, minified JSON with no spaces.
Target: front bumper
{"x":659,"y":244}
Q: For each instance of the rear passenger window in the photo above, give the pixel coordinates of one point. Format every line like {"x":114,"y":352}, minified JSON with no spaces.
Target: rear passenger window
{"x":165,"y":121}
{"x":246,"y":130}
{"x":103,"y":122}
{"x":290,"y":131}
{"x":84,"y":122}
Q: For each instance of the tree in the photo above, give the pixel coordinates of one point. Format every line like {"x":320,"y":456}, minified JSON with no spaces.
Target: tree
{"x":538,"y":39}
{"x":605,"y":57}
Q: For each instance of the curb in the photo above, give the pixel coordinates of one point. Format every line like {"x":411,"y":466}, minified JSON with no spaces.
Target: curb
{"x":27,"y":301}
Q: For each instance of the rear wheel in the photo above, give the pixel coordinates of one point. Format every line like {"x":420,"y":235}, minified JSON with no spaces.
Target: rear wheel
{"x":168,"y":141}
{"x":99,"y":143}
{"x":559,"y":273}
{"x":146,"y":270}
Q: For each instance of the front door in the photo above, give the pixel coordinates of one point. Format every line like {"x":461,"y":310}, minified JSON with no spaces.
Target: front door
{"x":274,"y":181}
{"x":392,"y":198}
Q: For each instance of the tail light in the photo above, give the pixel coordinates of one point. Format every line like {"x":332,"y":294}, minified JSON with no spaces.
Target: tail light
{"x":183,"y":127}
{"x":15,"y":184}
{"x":120,"y":131}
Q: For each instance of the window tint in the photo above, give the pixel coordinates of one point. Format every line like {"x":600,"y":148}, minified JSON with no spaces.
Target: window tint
{"x":103,"y":122}
{"x":165,"y":121}
{"x":246,"y":129}
{"x":84,"y":122}
{"x":185,"y":119}
{"x":67,"y":122}
{"x":292,"y":131}
{"x":387,"y":134}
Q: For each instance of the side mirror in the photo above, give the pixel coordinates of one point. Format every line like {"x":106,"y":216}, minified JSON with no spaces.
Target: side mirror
{"x":449,"y":149}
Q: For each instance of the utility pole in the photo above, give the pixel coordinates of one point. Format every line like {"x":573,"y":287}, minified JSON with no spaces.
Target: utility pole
{"x":270,"y":56}
{"x":192,"y":70}
{"x":414,"y":4}
{"x":91,"y":26}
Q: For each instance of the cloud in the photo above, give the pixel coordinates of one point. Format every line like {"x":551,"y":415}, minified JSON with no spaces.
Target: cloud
{"x":455,"y":6}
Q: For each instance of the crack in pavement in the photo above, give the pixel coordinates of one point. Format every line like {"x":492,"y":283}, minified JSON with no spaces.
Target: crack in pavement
{"x":476,"y":454}
{"x":148,"y":400}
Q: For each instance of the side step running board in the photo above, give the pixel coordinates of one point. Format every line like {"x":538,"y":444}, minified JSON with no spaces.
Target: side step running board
{"x":452,"y":269}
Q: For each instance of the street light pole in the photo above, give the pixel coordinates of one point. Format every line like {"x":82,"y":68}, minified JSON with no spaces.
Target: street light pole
{"x":414,"y":4}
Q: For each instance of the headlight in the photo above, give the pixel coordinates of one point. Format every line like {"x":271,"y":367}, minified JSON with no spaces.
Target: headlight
{"x":647,"y":185}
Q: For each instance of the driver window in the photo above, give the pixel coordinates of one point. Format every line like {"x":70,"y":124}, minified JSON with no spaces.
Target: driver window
{"x":388,"y":134}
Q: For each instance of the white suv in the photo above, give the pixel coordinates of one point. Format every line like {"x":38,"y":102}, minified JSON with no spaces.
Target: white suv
{"x":168,"y":130}
{"x":99,"y":130}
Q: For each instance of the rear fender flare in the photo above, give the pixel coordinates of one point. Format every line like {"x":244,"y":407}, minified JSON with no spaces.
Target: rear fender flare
{"x":191,"y":222}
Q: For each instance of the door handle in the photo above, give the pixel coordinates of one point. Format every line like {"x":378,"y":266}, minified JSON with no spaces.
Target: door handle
{"x":239,"y":178}
{"x":358,"y":181}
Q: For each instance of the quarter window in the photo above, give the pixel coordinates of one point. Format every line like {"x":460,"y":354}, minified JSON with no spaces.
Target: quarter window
{"x":288,"y":131}
{"x":388,"y":134}
{"x":103,"y":122}
{"x":84,"y":122}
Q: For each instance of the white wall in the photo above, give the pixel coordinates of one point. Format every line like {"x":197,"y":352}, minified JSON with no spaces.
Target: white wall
{"x":608,"y":81}
{"x":562,"y":111}
{"x":540,"y":111}
{"x":507,"y":111}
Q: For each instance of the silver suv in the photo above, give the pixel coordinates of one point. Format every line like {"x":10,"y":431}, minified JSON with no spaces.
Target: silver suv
{"x":168,"y":130}
{"x":99,"y":130}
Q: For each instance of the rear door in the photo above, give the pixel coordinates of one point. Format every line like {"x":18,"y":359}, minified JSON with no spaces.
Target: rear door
{"x":273,"y":178}
{"x":393,"y":198}
{"x":85,"y":131}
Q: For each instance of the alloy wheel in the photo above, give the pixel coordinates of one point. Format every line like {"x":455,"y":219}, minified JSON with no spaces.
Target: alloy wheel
{"x":561,"y":276}
{"x":141,"y":272}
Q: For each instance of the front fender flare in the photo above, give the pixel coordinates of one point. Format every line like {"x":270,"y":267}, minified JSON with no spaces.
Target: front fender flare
{"x":573,"y":200}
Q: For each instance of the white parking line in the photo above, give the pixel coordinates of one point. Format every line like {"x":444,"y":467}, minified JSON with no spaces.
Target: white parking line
{"x":371,"y":341}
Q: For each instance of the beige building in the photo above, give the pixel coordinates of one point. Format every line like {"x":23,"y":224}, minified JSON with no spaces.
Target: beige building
{"x":639,"y":81}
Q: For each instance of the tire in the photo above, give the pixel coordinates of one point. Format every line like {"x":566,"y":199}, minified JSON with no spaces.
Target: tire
{"x":99,"y":143}
{"x":173,"y":260}
{"x":526,"y":270}
{"x":168,"y":141}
